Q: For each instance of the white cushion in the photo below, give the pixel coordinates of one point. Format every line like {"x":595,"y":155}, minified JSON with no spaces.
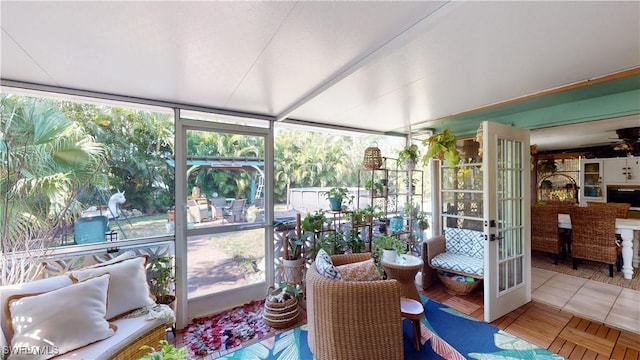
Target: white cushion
{"x":325,"y":266}
{"x":129,"y":330}
{"x":32,"y":287}
{"x":128,"y":287}
{"x":61,"y":320}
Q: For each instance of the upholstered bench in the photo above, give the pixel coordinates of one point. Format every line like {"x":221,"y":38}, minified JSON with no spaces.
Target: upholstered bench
{"x":458,"y":251}
{"x":99,"y":312}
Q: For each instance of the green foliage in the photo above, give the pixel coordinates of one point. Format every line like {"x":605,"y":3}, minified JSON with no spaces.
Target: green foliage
{"x":160,"y":275}
{"x":314,"y":221}
{"x":295,"y":246}
{"x":341,"y":194}
{"x":442,"y":145}
{"x":138,"y":142}
{"x":385,"y":242}
{"x":373,"y":211}
{"x":46,"y":161}
{"x":289,"y":289}
{"x":409,"y":153}
{"x":422,"y":220}
{"x":165,"y":352}
{"x":375,"y":185}
{"x":354,"y":242}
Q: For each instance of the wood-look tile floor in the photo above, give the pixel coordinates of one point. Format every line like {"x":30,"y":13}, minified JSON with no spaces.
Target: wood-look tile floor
{"x":568,"y":334}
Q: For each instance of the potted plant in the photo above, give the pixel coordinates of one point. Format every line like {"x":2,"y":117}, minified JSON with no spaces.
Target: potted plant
{"x":160,"y":274}
{"x":376,"y":187}
{"x":387,"y":248}
{"x":354,"y":242}
{"x":422,"y":220}
{"x":371,"y":212}
{"x":408,"y":156}
{"x":293,"y":261}
{"x":326,"y":241}
{"x":337,"y":197}
{"x":442,"y":146}
{"x":165,"y":352}
{"x":411,"y":210}
{"x":314,"y":221}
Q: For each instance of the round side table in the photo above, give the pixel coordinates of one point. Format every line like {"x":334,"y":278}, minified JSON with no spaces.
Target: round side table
{"x":413,"y":311}
{"x":404,"y":270}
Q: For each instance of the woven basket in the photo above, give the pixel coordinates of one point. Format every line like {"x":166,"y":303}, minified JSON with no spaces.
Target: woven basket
{"x":372,"y":158}
{"x":458,"y":287}
{"x":280,"y":315}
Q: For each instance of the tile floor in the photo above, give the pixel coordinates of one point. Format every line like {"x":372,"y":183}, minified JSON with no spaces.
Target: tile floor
{"x":609,"y":304}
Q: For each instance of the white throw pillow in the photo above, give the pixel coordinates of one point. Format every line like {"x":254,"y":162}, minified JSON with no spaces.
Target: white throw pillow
{"x":325,"y":266}
{"x":59,"y":321}
{"x":128,"y":287}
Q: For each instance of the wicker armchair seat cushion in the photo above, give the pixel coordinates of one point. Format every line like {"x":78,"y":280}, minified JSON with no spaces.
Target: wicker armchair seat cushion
{"x":459,"y":263}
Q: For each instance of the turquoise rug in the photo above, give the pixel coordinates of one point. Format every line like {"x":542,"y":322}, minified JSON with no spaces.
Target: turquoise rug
{"x":446,"y":334}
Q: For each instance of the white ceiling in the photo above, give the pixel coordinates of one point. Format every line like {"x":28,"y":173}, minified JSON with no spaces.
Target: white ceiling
{"x":382,"y":65}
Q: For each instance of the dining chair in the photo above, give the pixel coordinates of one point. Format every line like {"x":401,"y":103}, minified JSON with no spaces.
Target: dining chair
{"x":621,"y":209}
{"x":236,"y":210}
{"x":593,"y":235}
{"x":565,"y":234}
{"x":545,"y":234}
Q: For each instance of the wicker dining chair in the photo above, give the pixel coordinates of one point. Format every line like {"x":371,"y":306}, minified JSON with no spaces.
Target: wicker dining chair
{"x":621,"y":209}
{"x":563,"y":206}
{"x":593,"y":236}
{"x":545,"y":234}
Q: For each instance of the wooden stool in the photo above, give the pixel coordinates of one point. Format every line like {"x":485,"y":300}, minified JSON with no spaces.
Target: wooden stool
{"x":413,"y":311}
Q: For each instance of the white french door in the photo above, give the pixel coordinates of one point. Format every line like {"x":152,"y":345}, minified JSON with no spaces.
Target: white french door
{"x":507,"y":254}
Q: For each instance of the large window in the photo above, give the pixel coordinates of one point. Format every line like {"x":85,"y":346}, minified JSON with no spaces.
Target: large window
{"x":76,"y":172}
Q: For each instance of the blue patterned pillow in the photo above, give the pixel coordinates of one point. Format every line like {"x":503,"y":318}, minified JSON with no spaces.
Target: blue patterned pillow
{"x":464,"y":242}
{"x":325,"y":267}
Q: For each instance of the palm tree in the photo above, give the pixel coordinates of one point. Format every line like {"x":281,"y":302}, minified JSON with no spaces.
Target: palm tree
{"x":45,"y":162}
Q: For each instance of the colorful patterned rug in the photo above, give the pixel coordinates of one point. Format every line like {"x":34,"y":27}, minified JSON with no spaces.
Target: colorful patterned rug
{"x":226,"y":330}
{"x":447,"y":334}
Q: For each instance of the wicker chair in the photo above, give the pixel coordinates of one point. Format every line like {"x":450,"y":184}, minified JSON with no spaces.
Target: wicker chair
{"x":593,"y":235}
{"x":545,"y":235}
{"x":621,"y":209}
{"x":563,"y":206}
{"x":353,"y":320}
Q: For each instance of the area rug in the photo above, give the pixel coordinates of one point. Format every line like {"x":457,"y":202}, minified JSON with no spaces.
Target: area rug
{"x":447,"y":334}
{"x":226,"y":330}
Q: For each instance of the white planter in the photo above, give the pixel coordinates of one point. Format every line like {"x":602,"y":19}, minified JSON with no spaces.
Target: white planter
{"x":389,"y":255}
{"x":293,"y":271}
